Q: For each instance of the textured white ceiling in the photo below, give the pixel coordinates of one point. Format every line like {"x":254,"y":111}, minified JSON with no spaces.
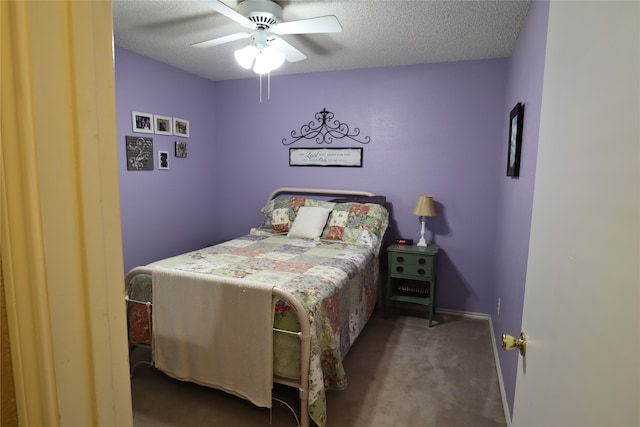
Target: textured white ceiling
{"x":376,"y":33}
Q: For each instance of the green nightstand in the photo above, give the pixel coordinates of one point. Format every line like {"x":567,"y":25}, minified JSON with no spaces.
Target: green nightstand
{"x":412,"y":275}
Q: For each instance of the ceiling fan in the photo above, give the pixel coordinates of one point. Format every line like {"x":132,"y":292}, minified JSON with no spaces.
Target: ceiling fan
{"x":267,"y":50}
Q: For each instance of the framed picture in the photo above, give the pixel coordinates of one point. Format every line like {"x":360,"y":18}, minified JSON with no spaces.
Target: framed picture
{"x":181,"y":149}
{"x":163,"y":160}
{"x":139,"y":153}
{"x":516,"y":119}
{"x":142,"y":122}
{"x":162,"y":125}
{"x":181,"y":127}
{"x":336,"y":157}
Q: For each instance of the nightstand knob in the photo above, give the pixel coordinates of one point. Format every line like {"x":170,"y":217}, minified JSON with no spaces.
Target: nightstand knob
{"x":422,"y":261}
{"x":399,"y":269}
{"x":400,"y":259}
{"x":421,"y":271}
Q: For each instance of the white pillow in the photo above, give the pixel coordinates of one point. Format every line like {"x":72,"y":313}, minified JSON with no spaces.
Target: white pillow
{"x":309,"y":222}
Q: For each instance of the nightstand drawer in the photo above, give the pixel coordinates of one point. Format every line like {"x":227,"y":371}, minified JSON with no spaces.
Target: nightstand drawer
{"x":415,"y":270}
{"x":412,"y":264}
{"x":415,"y":259}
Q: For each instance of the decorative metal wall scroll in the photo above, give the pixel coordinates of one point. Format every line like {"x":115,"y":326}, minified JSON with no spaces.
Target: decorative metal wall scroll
{"x":326,"y":131}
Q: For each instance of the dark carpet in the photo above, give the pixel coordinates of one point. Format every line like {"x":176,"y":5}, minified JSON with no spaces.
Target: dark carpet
{"x":400,"y":372}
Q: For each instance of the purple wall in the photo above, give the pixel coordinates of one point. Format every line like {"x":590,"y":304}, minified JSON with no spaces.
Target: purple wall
{"x":165,"y":212}
{"x":524,"y":84}
{"x":435,"y":129}
{"x":438,"y":129}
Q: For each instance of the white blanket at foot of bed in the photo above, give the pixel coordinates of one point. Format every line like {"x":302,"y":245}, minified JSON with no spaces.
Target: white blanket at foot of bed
{"x":199,"y":336}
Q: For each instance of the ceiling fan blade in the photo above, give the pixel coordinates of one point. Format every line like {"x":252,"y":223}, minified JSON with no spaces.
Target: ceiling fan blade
{"x":225,"y":10}
{"x":291,"y":54}
{"x":321,"y":24}
{"x":222,"y":40}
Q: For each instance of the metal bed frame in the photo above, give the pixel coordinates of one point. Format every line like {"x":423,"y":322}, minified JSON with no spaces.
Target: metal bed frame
{"x":303,"y":319}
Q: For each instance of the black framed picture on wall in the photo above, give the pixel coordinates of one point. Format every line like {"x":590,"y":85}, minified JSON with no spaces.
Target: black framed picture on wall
{"x":139,"y":153}
{"x":516,"y":119}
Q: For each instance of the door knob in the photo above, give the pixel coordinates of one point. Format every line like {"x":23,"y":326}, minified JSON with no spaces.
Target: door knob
{"x":509,"y":343}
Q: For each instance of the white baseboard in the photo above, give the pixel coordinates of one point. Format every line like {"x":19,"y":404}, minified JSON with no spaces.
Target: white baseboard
{"x":469,"y":314}
{"x":484,"y":316}
{"x":505,"y":404}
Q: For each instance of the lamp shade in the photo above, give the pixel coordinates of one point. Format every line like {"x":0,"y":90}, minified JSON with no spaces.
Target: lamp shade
{"x":424,"y":207}
{"x":246,"y":56}
{"x":267,"y":60}
{"x":262,"y":60}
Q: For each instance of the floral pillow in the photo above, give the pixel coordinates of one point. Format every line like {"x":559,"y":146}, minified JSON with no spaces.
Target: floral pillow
{"x":357,"y":224}
{"x":280,"y":213}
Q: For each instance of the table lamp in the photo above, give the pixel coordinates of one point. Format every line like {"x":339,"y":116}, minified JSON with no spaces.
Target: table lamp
{"x":423,"y":209}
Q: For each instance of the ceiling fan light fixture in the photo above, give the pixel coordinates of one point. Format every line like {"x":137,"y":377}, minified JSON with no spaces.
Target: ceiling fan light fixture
{"x":245,"y":56}
{"x":267,"y":60}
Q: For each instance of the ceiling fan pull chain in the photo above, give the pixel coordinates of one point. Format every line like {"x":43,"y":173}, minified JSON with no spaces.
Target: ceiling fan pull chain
{"x":268,"y":86}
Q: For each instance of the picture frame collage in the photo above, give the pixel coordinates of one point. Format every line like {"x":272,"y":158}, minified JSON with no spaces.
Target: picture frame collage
{"x":157,"y":124}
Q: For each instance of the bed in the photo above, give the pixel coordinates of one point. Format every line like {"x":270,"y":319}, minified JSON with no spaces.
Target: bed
{"x":318,"y":259}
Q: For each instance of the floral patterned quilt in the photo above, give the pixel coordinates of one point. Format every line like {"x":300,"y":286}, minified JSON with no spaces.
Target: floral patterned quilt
{"x":336,"y":282}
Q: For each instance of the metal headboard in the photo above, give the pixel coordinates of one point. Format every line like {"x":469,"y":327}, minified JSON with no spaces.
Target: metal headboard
{"x":318,"y":191}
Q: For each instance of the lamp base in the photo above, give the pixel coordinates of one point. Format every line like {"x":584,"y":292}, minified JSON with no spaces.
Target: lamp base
{"x":422,"y":241}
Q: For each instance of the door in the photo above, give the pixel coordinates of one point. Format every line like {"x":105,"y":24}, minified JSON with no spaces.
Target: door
{"x":60,"y":243}
{"x":582,"y":289}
